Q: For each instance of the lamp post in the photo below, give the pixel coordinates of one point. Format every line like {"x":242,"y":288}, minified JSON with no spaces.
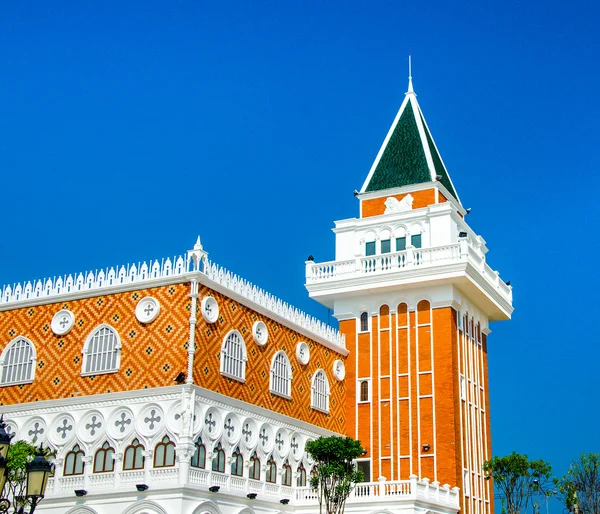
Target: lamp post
{"x":37,"y":472}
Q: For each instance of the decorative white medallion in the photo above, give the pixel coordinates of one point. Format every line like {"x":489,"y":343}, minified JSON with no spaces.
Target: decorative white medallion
{"x":260,"y":333}
{"x":210,"y":309}
{"x":213,"y":423}
{"x":35,"y":431}
{"x":11,"y":428}
{"x":303,"y":352}
{"x":120,"y":423}
{"x":147,"y":309}
{"x":91,"y":427}
{"x":232,"y":429}
{"x":339,"y":370}
{"x":180,"y":421}
{"x":150,"y":421}
{"x":266,"y":439}
{"x":297,"y":446}
{"x":62,"y":322}
{"x":249,"y":433}
{"x":282,"y":443}
{"x":62,"y":429}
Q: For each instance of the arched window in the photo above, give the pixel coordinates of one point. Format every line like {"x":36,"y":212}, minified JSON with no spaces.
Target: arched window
{"x":286,"y":477}
{"x":133,"y":457}
{"x":301,"y":478}
{"x":364,"y":322}
{"x":364,"y":391}
{"x":281,"y":375}
{"x":103,"y":460}
{"x":233,"y":356}
{"x":74,"y":462}
{"x":101,"y":351}
{"x":17,"y":362}
{"x":164,"y":453}
{"x":320,"y":391}
{"x":271,"y":471}
{"x":254,"y":469}
{"x":218,"y":463}
{"x":237,"y":464}
{"x":199,"y":457}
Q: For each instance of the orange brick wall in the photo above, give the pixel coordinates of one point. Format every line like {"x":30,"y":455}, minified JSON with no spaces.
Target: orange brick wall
{"x":376,"y":206}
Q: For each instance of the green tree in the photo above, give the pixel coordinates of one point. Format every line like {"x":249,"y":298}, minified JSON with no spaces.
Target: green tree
{"x":579,"y":489}
{"x":519,"y":481}
{"x":335,"y":472}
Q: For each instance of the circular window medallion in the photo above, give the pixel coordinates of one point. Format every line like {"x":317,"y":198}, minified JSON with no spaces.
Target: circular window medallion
{"x":147,"y":310}
{"x":339,"y":370}
{"x":303,"y":353}
{"x":62,"y":322}
{"x":260,"y":333}
{"x":210,"y":309}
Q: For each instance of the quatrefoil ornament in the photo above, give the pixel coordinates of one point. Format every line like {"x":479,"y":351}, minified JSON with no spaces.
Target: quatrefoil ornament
{"x":62,"y":322}
{"x":210,"y":309}
{"x":147,"y":310}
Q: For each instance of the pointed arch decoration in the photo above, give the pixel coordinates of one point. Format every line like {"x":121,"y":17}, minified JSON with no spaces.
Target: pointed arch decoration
{"x":17,"y":362}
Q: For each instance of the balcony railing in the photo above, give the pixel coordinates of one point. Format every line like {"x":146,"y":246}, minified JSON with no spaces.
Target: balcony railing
{"x":409,"y":259}
{"x":382,"y":490}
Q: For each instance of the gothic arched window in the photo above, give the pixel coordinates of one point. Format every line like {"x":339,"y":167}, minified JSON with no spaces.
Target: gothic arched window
{"x":271,"y":476}
{"x":281,"y":375}
{"x":164,"y":453}
{"x":199,"y":457}
{"x":301,"y":478}
{"x":133,"y":457}
{"x":101,"y":351}
{"x":103,"y":460}
{"x":320,"y":391}
{"x":364,"y":322}
{"x":254,"y":470}
{"x":233,"y":356}
{"x":17,"y":362}
{"x":286,"y":477}
{"x":237,"y":464}
{"x":74,"y":462}
{"x":218,"y":463}
{"x":364,"y":391}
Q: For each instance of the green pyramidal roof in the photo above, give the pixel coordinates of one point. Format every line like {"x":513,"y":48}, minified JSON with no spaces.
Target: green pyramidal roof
{"x":408,"y":154}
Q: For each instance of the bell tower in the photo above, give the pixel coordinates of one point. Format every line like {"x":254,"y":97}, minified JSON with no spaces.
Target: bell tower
{"x":414,"y":296}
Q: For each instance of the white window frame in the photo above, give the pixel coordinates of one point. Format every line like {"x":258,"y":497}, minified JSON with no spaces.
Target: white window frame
{"x":463,"y":387}
{"x":30,"y":360}
{"x":228,"y":370}
{"x":280,"y":383}
{"x":359,"y":327}
{"x":86,"y":352}
{"x":316,"y":393}
{"x":359,"y":385}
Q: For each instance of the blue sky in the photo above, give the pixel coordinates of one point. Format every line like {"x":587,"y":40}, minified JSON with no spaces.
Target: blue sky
{"x":128,"y":128}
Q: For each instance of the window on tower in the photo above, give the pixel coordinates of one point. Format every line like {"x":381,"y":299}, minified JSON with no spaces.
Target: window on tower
{"x":254,"y":469}
{"x":218,"y":463}
{"x":364,"y":391}
{"x":164,"y":453}
{"x":133,"y":457}
{"x":237,"y":463}
{"x":386,"y":246}
{"x":364,"y":322}
{"x":233,"y":356}
{"x":271,"y":475}
{"x":400,"y":244}
{"x":370,"y":248}
{"x":415,"y":240}
{"x":17,"y":362}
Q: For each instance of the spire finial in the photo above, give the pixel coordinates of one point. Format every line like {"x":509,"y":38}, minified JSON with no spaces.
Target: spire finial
{"x":198,"y":245}
{"x":410,"y":86}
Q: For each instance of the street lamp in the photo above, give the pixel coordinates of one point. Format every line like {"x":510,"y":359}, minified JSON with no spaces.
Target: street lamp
{"x":37,"y":473}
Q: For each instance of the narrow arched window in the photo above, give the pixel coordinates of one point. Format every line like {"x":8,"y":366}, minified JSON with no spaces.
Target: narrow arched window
{"x":364,"y":322}
{"x":101,"y":351}
{"x":74,"y":462}
{"x":133,"y":457}
{"x":320,"y":391}
{"x":199,"y":457}
{"x":286,"y":477}
{"x":271,"y":476}
{"x":233,"y":356}
{"x":164,"y":453}
{"x":364,"y":391}
{"x":281,"y":375}
{"x":103,"y":460}
{"x":17,"y":362}
{"x":301,"y":478}
{"x":254,"y":469}
{"x":218,"y":463}
{"x":237,"y":463}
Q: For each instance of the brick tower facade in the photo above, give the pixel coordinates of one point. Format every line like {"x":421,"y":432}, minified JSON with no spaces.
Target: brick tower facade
{"x":414,"y":296}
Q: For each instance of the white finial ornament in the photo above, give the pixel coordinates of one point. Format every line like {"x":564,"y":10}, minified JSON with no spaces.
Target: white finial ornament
{"x":198,"y":245}
{"x":410,"y":85}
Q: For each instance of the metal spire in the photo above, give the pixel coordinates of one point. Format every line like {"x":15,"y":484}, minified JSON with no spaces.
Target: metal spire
{"x":410,"y":85}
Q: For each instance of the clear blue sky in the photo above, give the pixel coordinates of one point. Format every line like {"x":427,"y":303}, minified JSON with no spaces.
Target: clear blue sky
{"x":127,"y":128}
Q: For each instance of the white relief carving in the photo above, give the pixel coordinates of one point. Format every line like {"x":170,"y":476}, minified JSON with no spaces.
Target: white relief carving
{"x":303,"y":353}
{"x":147,"y":310}
{"x":260,"y":333}
{"x":62,"y":322}
{"x":210,"y":309}
{"x":394,"y":205}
